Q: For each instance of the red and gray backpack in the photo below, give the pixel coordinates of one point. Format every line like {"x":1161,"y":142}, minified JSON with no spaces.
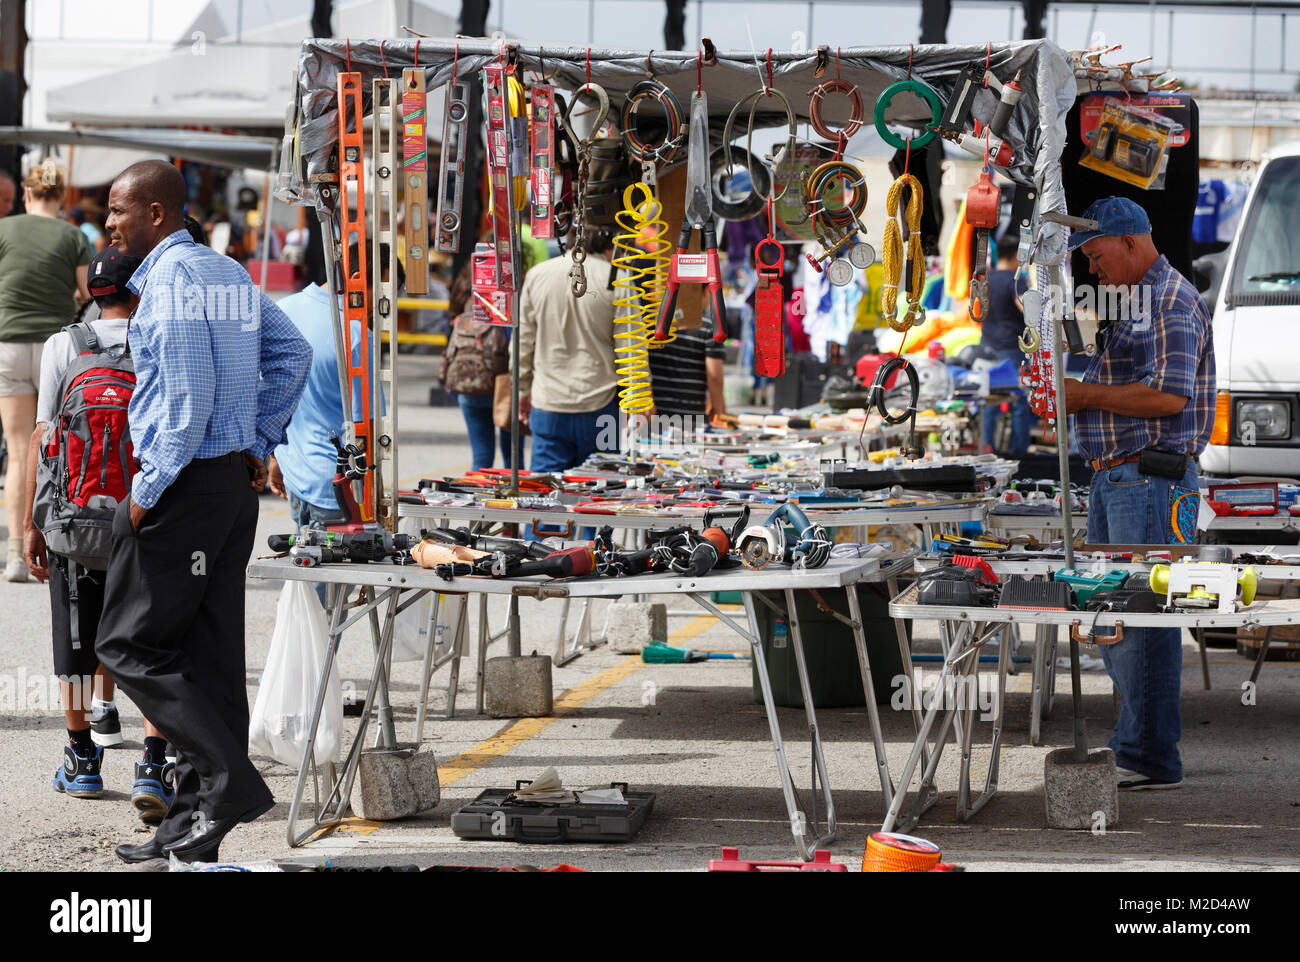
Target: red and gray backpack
{"x":87,"y":462}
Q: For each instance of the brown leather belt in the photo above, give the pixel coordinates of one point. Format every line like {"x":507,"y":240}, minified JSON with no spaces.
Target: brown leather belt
{"x":1101,"y":464}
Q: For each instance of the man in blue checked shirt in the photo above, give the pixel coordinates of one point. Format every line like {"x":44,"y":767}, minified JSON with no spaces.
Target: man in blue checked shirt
{"x":1143,"y":413}
{"x":219,"y":372}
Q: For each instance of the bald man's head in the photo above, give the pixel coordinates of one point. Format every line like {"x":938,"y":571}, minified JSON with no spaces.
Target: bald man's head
{"x":145,"y":204}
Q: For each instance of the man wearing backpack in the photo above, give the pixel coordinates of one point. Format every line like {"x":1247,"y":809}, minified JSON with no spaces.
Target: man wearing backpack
{"x":219,"y":371}
{"x":87,"y":379}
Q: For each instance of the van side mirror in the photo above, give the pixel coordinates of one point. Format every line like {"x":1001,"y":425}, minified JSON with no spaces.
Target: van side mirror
{"x":1202,"y":279}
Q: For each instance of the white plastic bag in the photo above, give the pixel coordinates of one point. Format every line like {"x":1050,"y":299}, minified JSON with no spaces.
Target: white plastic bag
{"x":281,"y":716}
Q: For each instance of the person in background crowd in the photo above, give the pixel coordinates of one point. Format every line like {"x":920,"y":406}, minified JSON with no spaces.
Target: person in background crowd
{"x":84,"y":217}
{"x":81,"y":774}
{"x":1143,"y":414}
{"x":568,"y":385}
{"x":8,"y":194}
{"x":1001,"y":330}
{"x":214,"y":394}
{"x":687,"y":377}
{"x":476,"y":353}
{"x":43,"y":262}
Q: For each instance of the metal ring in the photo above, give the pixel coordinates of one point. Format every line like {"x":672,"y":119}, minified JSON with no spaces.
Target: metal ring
{"x":887,"y":98}
{"x":602,"y":111}
{"x":835,"y":86}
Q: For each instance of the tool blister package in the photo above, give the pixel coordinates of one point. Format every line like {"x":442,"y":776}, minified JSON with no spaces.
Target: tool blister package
{"x":1130,"y":143}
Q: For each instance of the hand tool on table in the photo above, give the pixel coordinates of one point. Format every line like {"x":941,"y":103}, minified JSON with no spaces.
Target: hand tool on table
{"x":687,"y":267}
{"x":759,"y":545}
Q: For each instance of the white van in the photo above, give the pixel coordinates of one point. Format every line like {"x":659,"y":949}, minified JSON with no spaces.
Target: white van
{"x":1257,"y":331}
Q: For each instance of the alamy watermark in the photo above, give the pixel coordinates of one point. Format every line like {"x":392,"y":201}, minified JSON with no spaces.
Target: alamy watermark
{"x":613,"y":432}
{"x":213,"y":302}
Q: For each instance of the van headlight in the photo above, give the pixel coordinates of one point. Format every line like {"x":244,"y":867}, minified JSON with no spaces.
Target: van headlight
{"x":1272,"y":419}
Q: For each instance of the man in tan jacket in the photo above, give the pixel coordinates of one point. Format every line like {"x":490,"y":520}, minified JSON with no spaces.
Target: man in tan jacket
{"x":568,"y":385}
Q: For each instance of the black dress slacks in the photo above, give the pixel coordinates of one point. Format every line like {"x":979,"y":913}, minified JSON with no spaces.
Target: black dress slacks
{"x":172,"y":634}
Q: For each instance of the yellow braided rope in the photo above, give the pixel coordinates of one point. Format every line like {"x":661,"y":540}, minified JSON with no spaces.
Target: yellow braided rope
{"x":892,"y":255}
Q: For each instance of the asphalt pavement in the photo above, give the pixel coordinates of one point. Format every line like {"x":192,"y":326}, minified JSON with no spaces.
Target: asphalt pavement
{"x":692,"y":734}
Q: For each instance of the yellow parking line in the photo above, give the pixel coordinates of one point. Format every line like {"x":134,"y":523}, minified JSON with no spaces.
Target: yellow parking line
{"x":514,"y":735}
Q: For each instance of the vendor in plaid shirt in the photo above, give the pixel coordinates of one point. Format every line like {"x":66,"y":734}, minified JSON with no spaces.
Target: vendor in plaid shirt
{"x":1149,"y":388}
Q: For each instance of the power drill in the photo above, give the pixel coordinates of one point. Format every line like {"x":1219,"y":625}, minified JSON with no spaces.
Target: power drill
{"x":315,"y":546}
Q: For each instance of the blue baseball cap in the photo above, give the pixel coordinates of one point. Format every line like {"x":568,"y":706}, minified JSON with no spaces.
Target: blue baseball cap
{"x":1115,"y":216}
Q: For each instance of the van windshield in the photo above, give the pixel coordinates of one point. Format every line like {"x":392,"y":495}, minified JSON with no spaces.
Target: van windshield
{"x":1268,"y":258}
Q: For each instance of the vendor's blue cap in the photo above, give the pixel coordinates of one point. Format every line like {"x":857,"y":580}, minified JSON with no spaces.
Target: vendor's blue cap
{"x":1115,"y":216}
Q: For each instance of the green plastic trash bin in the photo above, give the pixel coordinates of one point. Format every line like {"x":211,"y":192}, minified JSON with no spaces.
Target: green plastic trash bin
{"x":833,"y":674}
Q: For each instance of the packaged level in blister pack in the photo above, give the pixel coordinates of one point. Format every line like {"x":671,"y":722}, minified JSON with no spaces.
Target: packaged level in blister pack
{"x":1128,"y":142}
{"x":488,"y":303}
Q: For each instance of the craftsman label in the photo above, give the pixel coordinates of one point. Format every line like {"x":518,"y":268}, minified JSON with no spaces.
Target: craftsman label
{"x":692,"y":266}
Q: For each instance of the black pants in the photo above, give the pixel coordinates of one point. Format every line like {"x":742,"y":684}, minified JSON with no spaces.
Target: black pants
{"x":75,"y":663}
{"x":172,"y":635}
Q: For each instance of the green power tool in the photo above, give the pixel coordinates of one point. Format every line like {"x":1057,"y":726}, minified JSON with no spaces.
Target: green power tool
{"x":1084,"y":584}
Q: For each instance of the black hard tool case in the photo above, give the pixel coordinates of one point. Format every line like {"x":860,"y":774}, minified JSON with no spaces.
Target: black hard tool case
{"x":495,"y":815}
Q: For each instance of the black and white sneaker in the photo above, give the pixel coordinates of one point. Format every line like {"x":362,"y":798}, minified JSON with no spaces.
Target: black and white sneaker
{"x":107,"y":731}
{"x":1128,"y":781}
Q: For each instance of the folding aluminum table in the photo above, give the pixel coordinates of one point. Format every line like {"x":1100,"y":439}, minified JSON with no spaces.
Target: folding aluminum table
{"x":964,"y":630}
{"x":392,"y":588}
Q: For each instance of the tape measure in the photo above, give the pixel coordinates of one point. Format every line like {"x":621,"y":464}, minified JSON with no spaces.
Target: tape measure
{"x":887,"y":852}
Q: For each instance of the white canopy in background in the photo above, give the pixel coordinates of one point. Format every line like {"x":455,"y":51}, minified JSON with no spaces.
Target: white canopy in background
{"x":218,"y":83}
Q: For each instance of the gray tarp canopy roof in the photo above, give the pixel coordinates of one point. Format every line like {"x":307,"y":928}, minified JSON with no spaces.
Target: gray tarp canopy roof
{"x":223,"y":150}
{"x":1037,"y":129}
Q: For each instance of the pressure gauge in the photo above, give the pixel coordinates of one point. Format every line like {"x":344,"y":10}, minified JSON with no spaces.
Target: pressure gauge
{"x":839,"y":272}
{"x":862,"y":256}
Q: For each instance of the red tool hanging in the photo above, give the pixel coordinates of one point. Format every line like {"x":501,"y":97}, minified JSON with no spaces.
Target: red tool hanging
{"x":499,"y":177}
{"x":542,"y":135}
{"x":356,"y":306}
{"x":769,"y":309}
{"x":982,"y":203}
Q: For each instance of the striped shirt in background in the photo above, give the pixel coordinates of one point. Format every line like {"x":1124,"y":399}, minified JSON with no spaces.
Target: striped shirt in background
{"x":678,"y":375}
{"x":1167,"y":345}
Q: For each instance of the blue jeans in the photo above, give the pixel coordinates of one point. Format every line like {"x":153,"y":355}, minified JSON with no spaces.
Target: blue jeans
{"x":1126,"y":507}
{"x":1022,"y":417}
{"x":562,"y":441}
{"x":308,"y":515}
{"x":477,"y":410}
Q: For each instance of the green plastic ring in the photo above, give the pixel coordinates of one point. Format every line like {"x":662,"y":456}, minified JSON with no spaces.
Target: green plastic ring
{"x":887,"y":97}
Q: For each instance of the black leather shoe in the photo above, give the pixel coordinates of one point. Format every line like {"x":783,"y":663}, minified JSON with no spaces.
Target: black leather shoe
{"x":200,"y":843}
{"x":140,"y":853}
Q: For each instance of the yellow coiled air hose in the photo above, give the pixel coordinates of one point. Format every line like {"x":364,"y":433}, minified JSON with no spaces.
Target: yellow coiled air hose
{"x":518,"y":107}
{"x":892,"y":256}
{"x":634,"y":314}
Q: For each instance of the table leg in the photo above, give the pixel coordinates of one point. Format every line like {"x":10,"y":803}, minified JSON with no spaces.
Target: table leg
{"x":482,"y":651}
{"x":1036,"y":685}
{"x":1205,"y":660}
{"x":804,"y":843}
{"x":869,"y":693}
{"x":810,"y":710}
{"x":965,"y":807}
{"x":386,"y":735}
{"x":331,"y":810}
{"x":426,"y":672}
{"x":1263,"y":654}
{"x":457,"y":651}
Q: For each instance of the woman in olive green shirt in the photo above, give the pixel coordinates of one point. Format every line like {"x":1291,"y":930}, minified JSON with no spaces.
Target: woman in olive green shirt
{"x":42,"y":280}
